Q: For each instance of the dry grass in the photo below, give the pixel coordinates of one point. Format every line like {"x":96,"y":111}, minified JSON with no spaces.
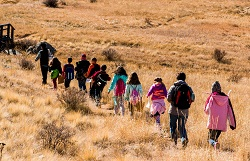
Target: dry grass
{"x":153,"y":41}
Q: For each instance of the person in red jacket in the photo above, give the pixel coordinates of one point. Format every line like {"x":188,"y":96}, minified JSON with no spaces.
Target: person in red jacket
{"x":219,"y":109}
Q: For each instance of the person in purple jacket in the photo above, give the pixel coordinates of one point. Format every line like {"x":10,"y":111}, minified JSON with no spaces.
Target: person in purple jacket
{"x":219,"y":109}
{"x":159,"y":93}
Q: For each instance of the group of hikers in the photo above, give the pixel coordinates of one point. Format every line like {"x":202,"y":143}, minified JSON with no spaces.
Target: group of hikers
{"x":180,"y":95}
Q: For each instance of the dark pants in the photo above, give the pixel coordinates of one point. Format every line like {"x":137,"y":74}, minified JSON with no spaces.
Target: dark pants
{"x":44,"y":71}
{"x":67,"y":83}
{"x":82,"y":83}
{"x":96,"y":92}
{"x":213,"y":136}
{"x":181,"y":127}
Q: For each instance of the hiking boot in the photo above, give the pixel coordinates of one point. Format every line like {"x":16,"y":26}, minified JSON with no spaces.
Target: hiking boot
{"x":216,"y":146}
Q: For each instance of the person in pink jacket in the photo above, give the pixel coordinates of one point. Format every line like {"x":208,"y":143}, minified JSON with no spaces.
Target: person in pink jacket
{"x":219,"y":109}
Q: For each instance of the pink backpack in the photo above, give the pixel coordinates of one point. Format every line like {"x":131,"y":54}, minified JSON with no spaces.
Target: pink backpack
{"x":134,"y":96}
{"x":119,"y":88}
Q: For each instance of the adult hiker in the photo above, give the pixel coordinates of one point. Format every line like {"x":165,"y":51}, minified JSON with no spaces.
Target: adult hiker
{"x":55,"y":69}
{"x":99,"y":79}
{"x":159,"y":93}
{"x":44,"y":55}
{"x":81,"y":69}
{"x":68,"y":72}
{"x":180,"y":97}
{"x":219,"y":109}
{"x":133,"y":93}
{"x":118,"y":85}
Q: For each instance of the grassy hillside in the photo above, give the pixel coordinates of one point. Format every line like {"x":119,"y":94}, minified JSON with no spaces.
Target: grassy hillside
{"x":153,"y":38}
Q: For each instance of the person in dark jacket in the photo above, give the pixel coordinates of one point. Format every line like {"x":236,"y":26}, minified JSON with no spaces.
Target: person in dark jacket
{"x":68,"y":73}
{"x":81,"y":69}
{"x":177,"y":114}
{"x":99,"y":79}
{"x":55,"y":69}
{"x":44,"y":55}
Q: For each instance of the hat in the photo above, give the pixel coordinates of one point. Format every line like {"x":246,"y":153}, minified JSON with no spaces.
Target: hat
{"x":216,"y":87}
{"x":158,"y":79}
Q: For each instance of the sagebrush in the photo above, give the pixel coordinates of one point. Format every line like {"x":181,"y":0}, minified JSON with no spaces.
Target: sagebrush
{"x":51,"y":3}
{"x":57,"y":138}
{"x":73,"y":99}
{"x":219,"y":55}
{"x":26,"y":64}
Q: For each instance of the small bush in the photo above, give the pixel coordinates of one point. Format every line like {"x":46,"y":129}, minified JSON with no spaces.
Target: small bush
{"x":219,"y":55}
{"x":235,"y":78}
{"x":57,"y":138}
{"x":26,"y":64}
{"x":92,"y":1}
{"x":24,"y":44}
{"x":51,"y":3}
{"x":110,"y":54}
{"x":73,"y":99}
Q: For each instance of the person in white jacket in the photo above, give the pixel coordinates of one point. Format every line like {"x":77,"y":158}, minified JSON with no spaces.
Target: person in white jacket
{"x":133,"y":93}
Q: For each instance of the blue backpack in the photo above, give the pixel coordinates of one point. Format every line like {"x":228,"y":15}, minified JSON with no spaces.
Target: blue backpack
{"x":69,"y":72}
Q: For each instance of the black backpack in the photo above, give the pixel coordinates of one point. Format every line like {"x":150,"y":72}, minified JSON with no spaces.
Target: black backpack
{"x":182,"y":96}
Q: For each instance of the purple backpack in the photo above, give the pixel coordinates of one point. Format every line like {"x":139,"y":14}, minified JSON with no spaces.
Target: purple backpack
{"x":119,"y":87}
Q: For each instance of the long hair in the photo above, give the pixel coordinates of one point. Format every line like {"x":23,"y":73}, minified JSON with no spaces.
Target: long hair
{"x":121,"y":71}
{"x":55,"y":62}
{"x":133,"y":79}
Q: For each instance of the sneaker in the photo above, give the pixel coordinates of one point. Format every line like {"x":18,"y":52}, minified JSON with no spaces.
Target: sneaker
{"x":184,"y":142}
{"x":216,"y":146}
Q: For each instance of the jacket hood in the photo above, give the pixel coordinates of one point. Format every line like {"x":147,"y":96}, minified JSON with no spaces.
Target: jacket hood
{"x":179,"y":82}
{"x":220,"y":100}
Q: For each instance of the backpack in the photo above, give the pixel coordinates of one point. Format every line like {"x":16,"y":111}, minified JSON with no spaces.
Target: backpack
{"x":81,"y":68}
{"x":119,"y":87}
{"x":182,"y":96}
{"x":100,"y":81}
{"x":69,"y":72}
{"x":134,"y":96}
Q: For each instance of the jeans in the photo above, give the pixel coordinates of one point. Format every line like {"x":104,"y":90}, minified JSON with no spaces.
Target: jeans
{"x":181,"y":127}
{"x":82,"y":84}
{"x":44,"y":70}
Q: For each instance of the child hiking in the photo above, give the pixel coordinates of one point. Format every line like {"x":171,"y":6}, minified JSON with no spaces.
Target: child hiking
{"x":219,"y":109}
{"x":68,"y":72}
{"x":55,"y":69}
{"x":180,"y":97}
{"x":133,"y":93}
{"x":159,"y":93}
{"x":100,"y":79}
{"x":118,"y":84}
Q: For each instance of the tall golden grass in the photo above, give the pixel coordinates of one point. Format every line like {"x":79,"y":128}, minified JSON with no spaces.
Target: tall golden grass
{"x":153,"y":38}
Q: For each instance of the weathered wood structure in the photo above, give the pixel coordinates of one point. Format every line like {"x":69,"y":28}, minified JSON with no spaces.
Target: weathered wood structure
{"x":7,"y":38}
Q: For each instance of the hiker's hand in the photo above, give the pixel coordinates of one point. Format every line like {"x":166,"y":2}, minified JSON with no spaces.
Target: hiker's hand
{"x":231,"y":127}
